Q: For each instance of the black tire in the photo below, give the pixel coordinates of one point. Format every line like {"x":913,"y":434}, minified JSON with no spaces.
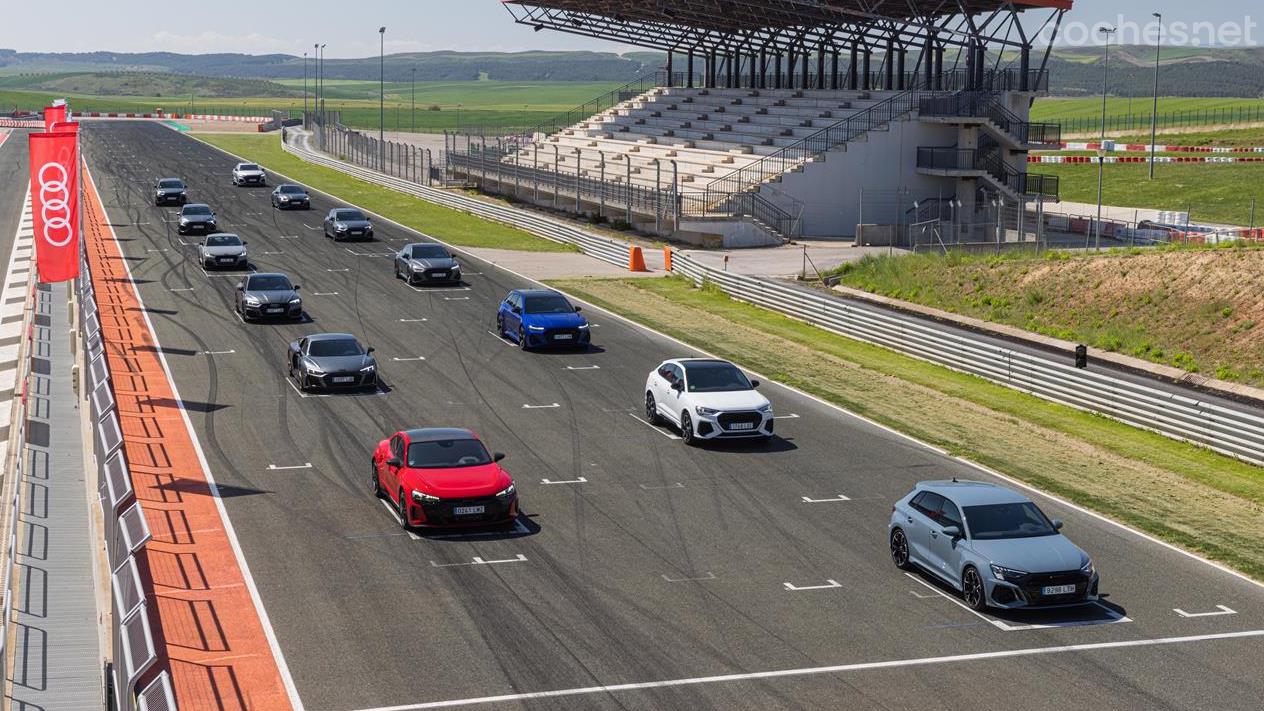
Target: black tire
{"x":686,"y":430}
{"x":376,"y":483}
{"x":500,"y":326}
{"x":401,"y":508}
{"x":522,"y":339}
{"x":900,"y":550}
{"x":973,"y":591}
{"x":651,"y":410}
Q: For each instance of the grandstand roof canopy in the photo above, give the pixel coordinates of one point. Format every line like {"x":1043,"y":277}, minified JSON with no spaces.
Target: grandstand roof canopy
{"x":785,"y":24}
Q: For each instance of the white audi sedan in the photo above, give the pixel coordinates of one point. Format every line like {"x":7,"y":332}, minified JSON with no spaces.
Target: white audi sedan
{"x":707,"y":399}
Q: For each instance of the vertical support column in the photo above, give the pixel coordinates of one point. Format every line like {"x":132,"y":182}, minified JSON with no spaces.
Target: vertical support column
{"x":763,"y":67}
{"x":730,"y":62}
{"x":867,"y":62}
{"x":777,"y":73}
{"x":791,"y":62}
{"x":971,"y":57}
{"x":853,"y":69}
{"x":980,"y":66}
{"x":689,"y":70}
{"x":1024,"y":67}
{"x":834,"y":68}
{"x":754,"y":84}
{"x":807,"y":81}
{"x":901,"y":57}
{"x":820,"y":67}
{"x":889,"y":62}
{"x":939,"y":67}
{"x":669,"y":68}
{"x":928,"y":63}
{"x":715,"y":69}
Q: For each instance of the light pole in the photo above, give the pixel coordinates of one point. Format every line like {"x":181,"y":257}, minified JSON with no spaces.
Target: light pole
{"x":305,"y":87}
{"x":381,"y":106}
{"x":412,"y":124}
{"x":1154,"y":112}
{"x":320,"y":110}
{"x":1101,"y":149}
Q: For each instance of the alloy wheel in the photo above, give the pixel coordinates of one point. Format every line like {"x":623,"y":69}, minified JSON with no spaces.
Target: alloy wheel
{"x":899,"y":549}
{"x":972,"y":589}
{"x":651,"y":409}
{"x":403,"y":509}
{"x":373,"y":479}
{"x":686,"y":429}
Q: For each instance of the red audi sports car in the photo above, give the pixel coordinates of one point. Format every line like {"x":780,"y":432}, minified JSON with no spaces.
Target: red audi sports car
{"x":439,"y":476}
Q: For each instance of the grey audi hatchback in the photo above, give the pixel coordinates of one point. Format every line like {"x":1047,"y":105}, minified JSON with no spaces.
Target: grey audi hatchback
{"x":992,"y":544}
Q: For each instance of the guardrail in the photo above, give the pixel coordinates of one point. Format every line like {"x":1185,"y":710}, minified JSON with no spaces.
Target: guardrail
{"x":131,"y":683}
{"x":1228,"y":430}
{"x":607,"y":250}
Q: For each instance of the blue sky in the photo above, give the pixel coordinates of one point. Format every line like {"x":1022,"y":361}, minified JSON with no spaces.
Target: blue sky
{"x":350,"y":28}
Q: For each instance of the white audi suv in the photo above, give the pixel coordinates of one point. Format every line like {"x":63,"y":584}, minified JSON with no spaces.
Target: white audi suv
{"x":707,"y":399}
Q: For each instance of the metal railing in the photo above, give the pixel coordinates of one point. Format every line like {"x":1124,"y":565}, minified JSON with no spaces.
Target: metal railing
{"x":131,"y":680}
{"x":986,"y":104}
{"x":1140,"y":122}
{"x":1235,"y":431}
{"x":945,"y":158}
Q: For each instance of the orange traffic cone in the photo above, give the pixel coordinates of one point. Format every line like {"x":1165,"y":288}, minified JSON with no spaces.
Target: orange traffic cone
{"x":636,"y":260}
{"x":667,"y":254}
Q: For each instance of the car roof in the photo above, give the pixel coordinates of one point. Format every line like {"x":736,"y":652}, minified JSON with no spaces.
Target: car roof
{"x":973,"y":493}
{"x":539,"y":292}
{"x":687,"y":360}
{"x":436,"y":434}
{"x":266,"y":274}
{"x":178,"y":180}
{"x":223,"y":234}
{"x":290,"y":185}
{"x":424,"y":244}
{"x":194,"y":204}
{"x":329,"y":336}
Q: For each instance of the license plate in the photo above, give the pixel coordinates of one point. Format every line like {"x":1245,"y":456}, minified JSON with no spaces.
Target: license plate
{"x":562,"y":336}
{"x":1057,"y":590}
{"x":344,"y":379}
{"x":742,"y":426}
{"x":440,"y":275}
{"x":226,"y":260}
{"x":275,"y":309}
{"x":468,"y":510}
{"x":356,"y":232}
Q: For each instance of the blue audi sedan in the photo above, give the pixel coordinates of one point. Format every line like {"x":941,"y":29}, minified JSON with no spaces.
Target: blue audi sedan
{"x":541,"y":318}
{"x":992,"y":544}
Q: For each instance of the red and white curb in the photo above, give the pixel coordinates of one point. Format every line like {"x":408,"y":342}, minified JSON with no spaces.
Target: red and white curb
{"x":1145,"y":159}
{"x":1144,"y":148}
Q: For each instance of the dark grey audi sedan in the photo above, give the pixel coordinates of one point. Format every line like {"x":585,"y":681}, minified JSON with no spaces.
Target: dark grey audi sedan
{"x":328,"y":361}
{"x":347,"y":223}
{"x":170,"y":190}
{"x":268,"y":295}
{"x":426,"y":262}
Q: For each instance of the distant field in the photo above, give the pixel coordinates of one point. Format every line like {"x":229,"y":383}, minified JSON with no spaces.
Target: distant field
{"x":1239,"y":137}
{"x":1086,"y":108}
{"x":440,"y":105}
{"x":1211,"y":193}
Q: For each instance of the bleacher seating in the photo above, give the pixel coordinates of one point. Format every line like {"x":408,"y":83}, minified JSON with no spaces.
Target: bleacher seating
{"x":707,"y":132}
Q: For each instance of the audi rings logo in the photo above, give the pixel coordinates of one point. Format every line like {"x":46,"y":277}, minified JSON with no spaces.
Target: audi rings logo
{"x":54,"y":196}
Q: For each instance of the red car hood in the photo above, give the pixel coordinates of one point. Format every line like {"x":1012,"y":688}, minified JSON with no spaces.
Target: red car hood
{"x":458,"y":482}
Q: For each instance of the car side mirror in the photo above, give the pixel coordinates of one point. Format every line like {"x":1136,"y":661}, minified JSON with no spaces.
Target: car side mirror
{"x":578,"y":309}
{"x":498,"y":456}
{"x":678,"y":386}
{"x":952,"y":531}
{"x":297,"y":287}
{"x":244,"y":243}
{"x":394,"y":462}
{"x":754,"y":383}
{"x":240,"y":286}
{"x":1057,"y":524}
{"x":515,"y":309}
{"x":370,"y":349}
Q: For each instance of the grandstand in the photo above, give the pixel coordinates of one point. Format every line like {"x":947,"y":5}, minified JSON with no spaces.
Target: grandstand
{"x":791,"y":118}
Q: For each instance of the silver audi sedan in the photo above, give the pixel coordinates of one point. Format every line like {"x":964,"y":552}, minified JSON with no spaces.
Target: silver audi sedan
{"x":992,"y":544}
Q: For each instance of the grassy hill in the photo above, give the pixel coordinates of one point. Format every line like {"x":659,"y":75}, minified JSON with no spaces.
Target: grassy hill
{"x":146,"y":84}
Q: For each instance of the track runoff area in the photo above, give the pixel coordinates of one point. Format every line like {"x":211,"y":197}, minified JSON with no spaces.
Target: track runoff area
{"x":642,"y":574}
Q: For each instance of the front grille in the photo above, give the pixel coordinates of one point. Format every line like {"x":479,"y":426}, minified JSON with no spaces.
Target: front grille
{"x":358,"y":379}
{"x":438,"y":273}
{"x":443,"y":511}
{"x":728,"y":419}
{"x":558,"y":335}
{"x":1032,"y":584}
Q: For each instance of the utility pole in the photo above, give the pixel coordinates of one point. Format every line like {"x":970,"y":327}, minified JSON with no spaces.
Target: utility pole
{"x":316,"y":78}
{"x":1154,"y":112}
{"x":1101,"y":149}
{"x":412,"y":125}
{"x":305,"y":87}
{"x":381,"y":107}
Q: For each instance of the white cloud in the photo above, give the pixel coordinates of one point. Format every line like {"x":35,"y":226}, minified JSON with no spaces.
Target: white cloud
{"x":215,"y":42}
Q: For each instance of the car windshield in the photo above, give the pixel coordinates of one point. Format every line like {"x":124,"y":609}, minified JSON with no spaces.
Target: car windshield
{"x":170,"y":184}
{"x":223,"y":241}
{"x":429,"y":251}
{"x":348,"y":215}
{"x":335,"y":347}
{"x":447,"y":453}
{"x":248,"y":166}
{"x":196,"y":210}
{"x":1015,"y":520}
{"x":547,"y":304}
{"x":270,"y":282}
{"x":291,"y":189}
{"x":715,"y":378}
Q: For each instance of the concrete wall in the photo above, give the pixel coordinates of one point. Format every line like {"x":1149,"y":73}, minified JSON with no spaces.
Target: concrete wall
{"x":881,"y":163}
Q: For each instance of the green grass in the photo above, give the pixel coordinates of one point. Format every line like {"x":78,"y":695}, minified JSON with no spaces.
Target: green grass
{"x":1178,"y":492}
{"x":1249,"y":137}
{"x":1060,"y":109}
{"x":1210,"y":193}
{"x":449,"y":225}
{"x":440,"y":105}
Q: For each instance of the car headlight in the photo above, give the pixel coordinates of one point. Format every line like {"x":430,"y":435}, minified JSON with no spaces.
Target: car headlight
{"x":284,"y":198}
{"x":295,"y":300}
{"x":252,"y":301}
{"x":506,"y":492}
{"x":706,"y":411}
{"x":340,"y":227}
{"x":1003,"y":573}
{"x":184,"y":220}
{"x":422,"y":497}
{"x":766,"y":409}
{"x":582,"y":327}
{"x":314,"y":369}
{"x":368,"y":369}
{"x":1088,"y":568}
{"x":536,"y":329}
{"x":183,"y":193}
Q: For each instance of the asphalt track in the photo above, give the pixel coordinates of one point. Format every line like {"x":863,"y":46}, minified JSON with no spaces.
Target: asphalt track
{"x":14,"y":177}
{"x":665,"y":564}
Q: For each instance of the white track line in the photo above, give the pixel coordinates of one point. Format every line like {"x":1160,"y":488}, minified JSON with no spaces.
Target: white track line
{"x":815,"y":671}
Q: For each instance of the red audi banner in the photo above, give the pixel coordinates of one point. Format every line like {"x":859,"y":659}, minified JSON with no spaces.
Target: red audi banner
{"x":65,"y":127}
{"x":52,"y":115}
{"x":55,"y":204}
